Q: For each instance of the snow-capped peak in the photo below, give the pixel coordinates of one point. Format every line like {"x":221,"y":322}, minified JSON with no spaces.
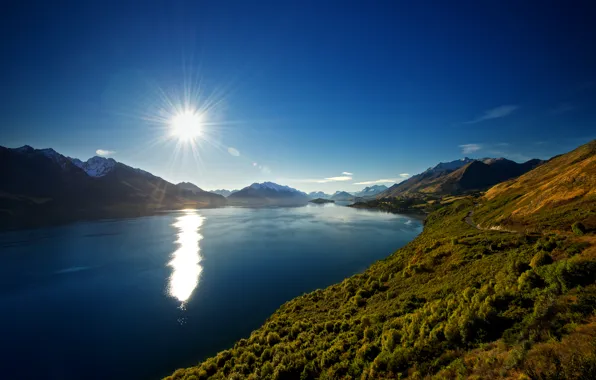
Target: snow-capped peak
{"x":95,"y":166}
{"x":274,"y":186}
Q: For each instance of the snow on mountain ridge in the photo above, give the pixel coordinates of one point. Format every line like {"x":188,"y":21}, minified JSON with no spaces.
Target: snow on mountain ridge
{"x":275,"y":187}
{"x":95,"y":166}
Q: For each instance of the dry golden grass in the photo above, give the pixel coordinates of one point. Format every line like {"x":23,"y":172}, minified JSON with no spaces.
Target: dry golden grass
{"x":564,"y":181}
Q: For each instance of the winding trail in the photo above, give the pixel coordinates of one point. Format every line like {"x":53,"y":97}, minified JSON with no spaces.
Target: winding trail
{"x":468,"y":219}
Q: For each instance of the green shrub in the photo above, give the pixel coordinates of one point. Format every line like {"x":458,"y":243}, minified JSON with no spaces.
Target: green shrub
{"x":529,"y":280}
{"x":540,"y":259}
{"x":273,"y":338}
{"x":578,"y":228}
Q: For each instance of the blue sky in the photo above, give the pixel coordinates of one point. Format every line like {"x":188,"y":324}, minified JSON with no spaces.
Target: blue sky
{"x":299,"y":92}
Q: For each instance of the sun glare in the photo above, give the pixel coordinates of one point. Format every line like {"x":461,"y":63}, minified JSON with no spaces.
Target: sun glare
{"x":187,"y":126}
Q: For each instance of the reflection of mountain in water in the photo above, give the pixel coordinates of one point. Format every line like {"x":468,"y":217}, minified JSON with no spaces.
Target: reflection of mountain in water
{"x":185,"y":260}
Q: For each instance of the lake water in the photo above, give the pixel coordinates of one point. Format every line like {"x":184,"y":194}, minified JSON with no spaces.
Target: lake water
{"x":138,"y":298}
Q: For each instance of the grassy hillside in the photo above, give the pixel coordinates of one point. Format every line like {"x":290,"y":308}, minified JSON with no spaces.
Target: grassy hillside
{"x":457,"y":301}
{"x":554,"y":195}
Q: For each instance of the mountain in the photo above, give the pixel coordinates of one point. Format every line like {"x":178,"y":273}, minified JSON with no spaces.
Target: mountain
{"x":268,"y":193}
{"x":342,"y":196}
{"x":553,"y":195}
{"x":371,"y":191}
{"x":95,"y":166}
{"x":450,"y":166}
{"x":41,"y":186}
{"x":191,"y":187}
{"x":459,"y":301}
{"x":223,"y":192}
{"x":321,"y":201}
{"x":319,"y":194}
{"x":468,"y":175}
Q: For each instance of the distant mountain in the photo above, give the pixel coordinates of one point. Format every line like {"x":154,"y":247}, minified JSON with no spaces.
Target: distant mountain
{"x":371,"y":191}
{"x":450,"y":166}
{"x":41,"y":186}
{"x":319,"y":194}
{"x":95,"y":166}
{"x":223,"y":192}
{"x":460,"y":176}
{"x":190,"y":187}
{"x":268,"y":193}
{"x":342,"y":196}
{"x":321,"y":201}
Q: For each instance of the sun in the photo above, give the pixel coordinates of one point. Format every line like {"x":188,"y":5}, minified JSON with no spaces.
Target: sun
{"x":187,"y":125}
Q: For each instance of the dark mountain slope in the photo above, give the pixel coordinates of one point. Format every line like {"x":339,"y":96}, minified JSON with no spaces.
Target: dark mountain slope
{"x":42,"y":187}
{"x":473,"y":175}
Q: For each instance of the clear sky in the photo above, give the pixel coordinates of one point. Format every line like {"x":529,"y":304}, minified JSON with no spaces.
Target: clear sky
{"x":298,"y":92}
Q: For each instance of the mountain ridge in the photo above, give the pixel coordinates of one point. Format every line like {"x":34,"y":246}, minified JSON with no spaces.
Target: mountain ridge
{"x":268,"y":193}
{"x":458,"y":177}
{"x":41,"y":187}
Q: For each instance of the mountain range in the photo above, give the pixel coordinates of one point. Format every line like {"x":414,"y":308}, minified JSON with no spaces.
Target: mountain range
{"x":460,"y":176}
{"x":370,"y":191}
{"x":319,"y":194}
{"x":41,"y":186}
{"x":223,"y":192}
{"x":268,"y":193}
{"x":342,"y":196}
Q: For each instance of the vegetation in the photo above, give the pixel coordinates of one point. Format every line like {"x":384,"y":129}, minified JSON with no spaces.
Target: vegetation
{"x":420,"y":205}
{"x":456,"y":302}
{"x":321,"y":201}
{"x":578,"y":228}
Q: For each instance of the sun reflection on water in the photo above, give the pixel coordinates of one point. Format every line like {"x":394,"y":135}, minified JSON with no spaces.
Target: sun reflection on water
{"x":186,"y":259}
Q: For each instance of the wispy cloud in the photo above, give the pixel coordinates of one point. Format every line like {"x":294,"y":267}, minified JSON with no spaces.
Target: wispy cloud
{"x":404,"y":175}
{"x":563,"y":108}
{"x":340,"y":178}
{"x":470,"y":148}
{"x":324,"y":180}
{"x":494,"y":113}
{"x":233,"y":151}
{"x":377,"y":181}
{"x":104,"y":152}
{"x":347,"y":173}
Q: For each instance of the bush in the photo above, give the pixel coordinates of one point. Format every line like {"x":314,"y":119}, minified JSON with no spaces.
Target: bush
{"x":529,"y":280}
{"x":578,"y":228}
{"x":540,"y":259}
{"x":273,"y":338}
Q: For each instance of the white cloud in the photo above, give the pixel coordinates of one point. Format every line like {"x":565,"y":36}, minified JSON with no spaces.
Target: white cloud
{"x":324,"y":180}
{"x":470,"y":148}
{"x":103,"y":152}
{"x":233,"y":151}
{"x":347,"y":173}
{"x":340,"y":178}
{"x":377,"y":181}
{"x":404,"y":175}
{"x":494,"y":113}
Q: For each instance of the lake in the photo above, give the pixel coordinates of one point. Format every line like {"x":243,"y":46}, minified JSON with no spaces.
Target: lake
{"x":138,"y":298}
